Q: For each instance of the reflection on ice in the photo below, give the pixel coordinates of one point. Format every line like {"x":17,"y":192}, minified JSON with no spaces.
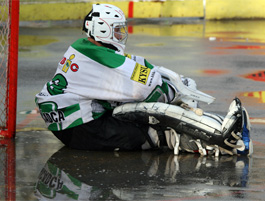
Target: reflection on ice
{"x":83,"y":175}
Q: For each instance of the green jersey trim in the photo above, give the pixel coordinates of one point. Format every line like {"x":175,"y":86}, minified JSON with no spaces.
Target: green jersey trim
{"x":102,"y":55}
{"x":55,"y":127}
{"x":70,"y":109}
{"x":55,"y":117}
{"x":158,"y":93}
{"x":148,"y":65}
{"x":96,"y":115}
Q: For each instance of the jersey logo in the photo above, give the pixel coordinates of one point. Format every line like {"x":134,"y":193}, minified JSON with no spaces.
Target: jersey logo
{"x":140,"y":74}
{"x":50,"y":113}
{"x":57,"y":85}
{"x":68,"y":64}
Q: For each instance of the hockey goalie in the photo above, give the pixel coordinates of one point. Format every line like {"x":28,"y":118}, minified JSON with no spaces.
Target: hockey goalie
{"x":101,"y":98}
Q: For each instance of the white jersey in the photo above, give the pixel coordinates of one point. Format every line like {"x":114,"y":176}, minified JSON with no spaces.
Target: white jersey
{"x":90,"y":80}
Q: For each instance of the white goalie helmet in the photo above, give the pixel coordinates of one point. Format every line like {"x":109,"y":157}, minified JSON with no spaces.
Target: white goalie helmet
{"x":107,"y":24}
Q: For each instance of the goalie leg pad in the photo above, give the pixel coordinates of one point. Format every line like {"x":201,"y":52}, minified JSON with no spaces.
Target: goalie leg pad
{"x":206,"y":127}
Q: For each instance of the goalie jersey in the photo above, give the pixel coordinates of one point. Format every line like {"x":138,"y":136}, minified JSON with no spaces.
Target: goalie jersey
{"x":90,"y":80}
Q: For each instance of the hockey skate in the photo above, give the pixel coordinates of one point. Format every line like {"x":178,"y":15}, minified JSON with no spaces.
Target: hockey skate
{"x":235,"y":132}
{"x":236,"y":129}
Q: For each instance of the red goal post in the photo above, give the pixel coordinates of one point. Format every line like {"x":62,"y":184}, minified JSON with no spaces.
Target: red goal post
{"x":9,"y":33}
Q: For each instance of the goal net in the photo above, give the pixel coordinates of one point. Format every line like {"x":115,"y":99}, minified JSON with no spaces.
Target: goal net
{"x":9,"y":23}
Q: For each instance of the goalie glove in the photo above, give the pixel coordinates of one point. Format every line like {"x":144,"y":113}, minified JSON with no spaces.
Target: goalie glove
{"x":190,"y":91}
{"x":189,"y":82}
{"x":176,"y":98}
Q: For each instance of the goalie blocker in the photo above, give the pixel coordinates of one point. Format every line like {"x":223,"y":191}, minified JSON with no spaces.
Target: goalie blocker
{"x":230,"y":133}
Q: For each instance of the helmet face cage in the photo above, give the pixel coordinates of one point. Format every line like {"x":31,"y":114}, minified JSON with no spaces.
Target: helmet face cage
{"x":107,"y":24}
{"x":120,"y":32}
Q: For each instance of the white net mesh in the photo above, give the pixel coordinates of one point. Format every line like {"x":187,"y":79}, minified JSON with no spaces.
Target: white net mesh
{"x":4,"y":33}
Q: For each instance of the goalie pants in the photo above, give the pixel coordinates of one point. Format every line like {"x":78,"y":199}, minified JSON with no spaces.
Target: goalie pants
{"x":104,"y":133}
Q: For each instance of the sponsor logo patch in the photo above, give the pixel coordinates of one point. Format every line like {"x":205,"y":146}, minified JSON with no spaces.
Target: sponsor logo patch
{"x":140,"y":74}
{"x":67,"y":63}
